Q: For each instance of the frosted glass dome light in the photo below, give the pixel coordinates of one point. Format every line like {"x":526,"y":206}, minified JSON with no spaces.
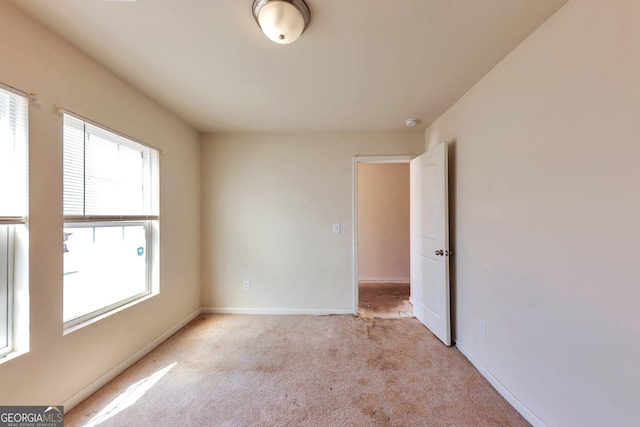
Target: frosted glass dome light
{"x":282,"y":21}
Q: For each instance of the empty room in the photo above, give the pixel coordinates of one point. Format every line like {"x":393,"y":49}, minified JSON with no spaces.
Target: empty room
{"x":188,"y":214}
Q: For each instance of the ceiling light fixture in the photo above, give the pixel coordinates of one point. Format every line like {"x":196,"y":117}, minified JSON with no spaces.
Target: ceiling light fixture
{"x":283,"y":21}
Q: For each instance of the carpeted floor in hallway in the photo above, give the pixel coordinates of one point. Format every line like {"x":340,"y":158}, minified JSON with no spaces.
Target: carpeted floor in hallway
{"x":241,"y":370}
{"x":384,"y":300}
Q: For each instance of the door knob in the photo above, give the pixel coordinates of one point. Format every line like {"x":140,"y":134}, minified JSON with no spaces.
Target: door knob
{"x":440,"y":252}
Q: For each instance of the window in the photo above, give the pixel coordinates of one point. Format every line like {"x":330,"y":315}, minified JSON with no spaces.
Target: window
{"x":111,"y":220}
{"x":13,"y":202}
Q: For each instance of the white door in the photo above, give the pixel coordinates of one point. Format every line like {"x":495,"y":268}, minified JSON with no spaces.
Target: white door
{"x":430,"y":242}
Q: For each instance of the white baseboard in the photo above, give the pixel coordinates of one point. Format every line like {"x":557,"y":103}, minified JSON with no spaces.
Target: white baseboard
{"x":367,"y":279}
{"x":303,"y":311}
{"x":80,"y":396}
{"x":509,"y":397}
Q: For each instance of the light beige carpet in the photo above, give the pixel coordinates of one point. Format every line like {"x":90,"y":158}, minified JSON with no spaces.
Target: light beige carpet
{"x":238,"y":370}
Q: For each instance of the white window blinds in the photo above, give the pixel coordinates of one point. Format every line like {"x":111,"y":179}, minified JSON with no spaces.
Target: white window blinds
{"x":107,"y":175}
{"x":14,"y":137}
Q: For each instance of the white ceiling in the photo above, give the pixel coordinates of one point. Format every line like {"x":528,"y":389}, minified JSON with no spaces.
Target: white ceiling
{"x":362,"y":65}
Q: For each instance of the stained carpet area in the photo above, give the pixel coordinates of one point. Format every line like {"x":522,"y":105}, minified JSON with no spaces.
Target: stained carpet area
{"x":384,"y":300}
{"x":240,"y":370}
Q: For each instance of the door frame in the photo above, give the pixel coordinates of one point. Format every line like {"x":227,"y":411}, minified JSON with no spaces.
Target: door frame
{"x":354,"y":208}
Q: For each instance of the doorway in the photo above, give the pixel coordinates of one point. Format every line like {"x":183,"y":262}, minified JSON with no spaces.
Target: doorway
{"x":381,"y":237}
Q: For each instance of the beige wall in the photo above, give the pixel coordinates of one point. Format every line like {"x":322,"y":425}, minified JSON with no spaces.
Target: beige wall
{"x":269,"y":202}
{"x":546,"y":209}
{"x":383,"y":222}
{"x":57,"y":366}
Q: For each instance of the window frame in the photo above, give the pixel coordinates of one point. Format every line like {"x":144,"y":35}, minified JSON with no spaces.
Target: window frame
{"x":150,"y":221}
{"x":7,"y":287}
{"x":148,"y":226}
{"x":13,"y":323}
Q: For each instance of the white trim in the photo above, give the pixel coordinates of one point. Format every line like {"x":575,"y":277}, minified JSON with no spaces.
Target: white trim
{"x":354,"y":209}
{"x":75,"y":325}
{"x":367,"y":279}
{"x":500,"y":388}
{"x":284,"y":311}
{"x":354,"y":234}
{"x":83,"y":394}
{"x":386,"y":159}
{"x":14,"y":90}
{"x":11,"y":220}
{"x":86,"y":120}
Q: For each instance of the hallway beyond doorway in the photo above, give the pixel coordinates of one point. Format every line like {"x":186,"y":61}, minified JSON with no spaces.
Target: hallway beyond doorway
{"x":384,"y":300}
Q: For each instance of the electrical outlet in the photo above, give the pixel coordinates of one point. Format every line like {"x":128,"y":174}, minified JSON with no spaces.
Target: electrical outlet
{"x":246,"y":286}
{"x":483,"y":328}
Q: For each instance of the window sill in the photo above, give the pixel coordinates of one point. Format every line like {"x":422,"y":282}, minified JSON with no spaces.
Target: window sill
{"x":70,"y":329}
{"x":12,"y":355}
